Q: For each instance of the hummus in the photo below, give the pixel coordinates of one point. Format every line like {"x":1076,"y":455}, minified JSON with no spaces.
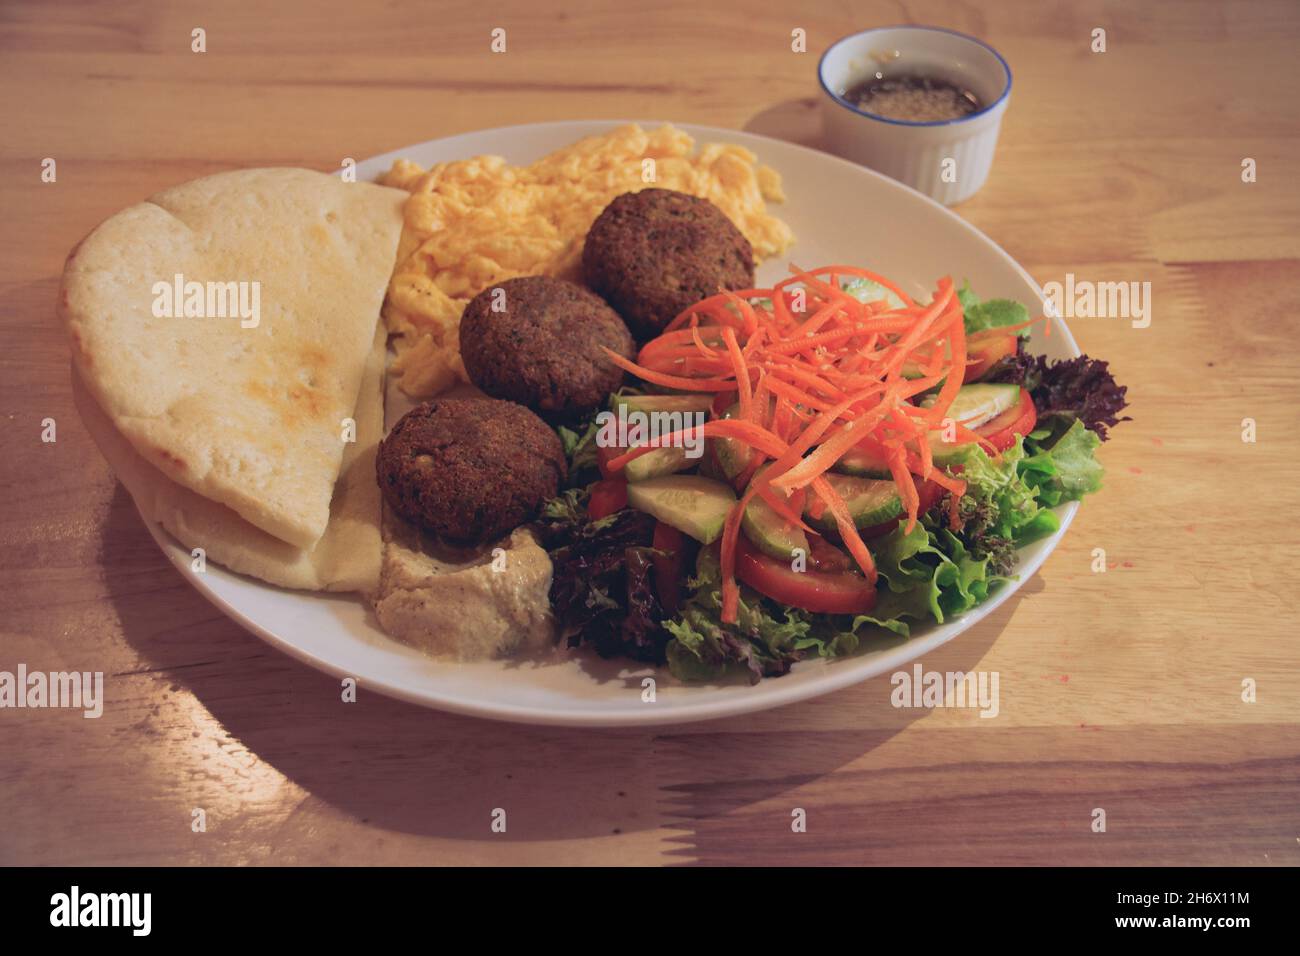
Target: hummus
{"x":464,"y":604}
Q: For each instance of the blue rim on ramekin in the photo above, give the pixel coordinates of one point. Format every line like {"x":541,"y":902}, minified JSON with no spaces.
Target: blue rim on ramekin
{"x":821,"y":78}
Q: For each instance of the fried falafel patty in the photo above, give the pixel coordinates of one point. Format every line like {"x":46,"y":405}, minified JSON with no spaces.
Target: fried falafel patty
{"x":543,"y":348}
{"x":653,"y":253}
{"x":469,"y":469}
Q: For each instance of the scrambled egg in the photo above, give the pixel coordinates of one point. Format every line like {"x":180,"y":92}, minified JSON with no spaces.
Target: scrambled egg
{"x":475,"y":222}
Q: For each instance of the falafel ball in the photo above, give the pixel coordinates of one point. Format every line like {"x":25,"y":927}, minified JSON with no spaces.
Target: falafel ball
{"x":656,"y":252}
{"x":543,"y":348}
{"x":469,"y":469}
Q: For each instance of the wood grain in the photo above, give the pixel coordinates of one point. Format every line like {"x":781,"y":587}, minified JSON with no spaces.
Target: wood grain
{"x":1119,"y":690}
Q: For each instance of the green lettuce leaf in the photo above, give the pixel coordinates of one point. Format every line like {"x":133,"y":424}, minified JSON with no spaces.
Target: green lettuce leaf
{"x":967,"y":297}
{"x":999,"y":501}
{"x":765,"y":639}
{"x":1008,"y":500}
{"x":579,"y":448}
{"x":569,"y":506}
{"x":929,"y":573}
{"x":1066,"y":471}
{"x":925,"y":575}
{"x":993,"y":314}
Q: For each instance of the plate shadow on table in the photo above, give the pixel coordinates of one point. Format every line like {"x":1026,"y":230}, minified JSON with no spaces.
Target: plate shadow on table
{"x":795,"y":121}
{"x":405,"y":768}
{"x":714,"y":770}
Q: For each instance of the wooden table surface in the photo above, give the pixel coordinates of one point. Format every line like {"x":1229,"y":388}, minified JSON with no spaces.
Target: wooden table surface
{"x":1120,"y":691}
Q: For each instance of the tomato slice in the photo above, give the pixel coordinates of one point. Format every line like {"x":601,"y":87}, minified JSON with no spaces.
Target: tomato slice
{"x":668,"y":566}
{"x":603,"y":456}
{"x":1019,"y":419}
{"x":826,"y":557}
{"x":984,"y":350}
{"x":817,"y":591}
{"x":607,"y":496}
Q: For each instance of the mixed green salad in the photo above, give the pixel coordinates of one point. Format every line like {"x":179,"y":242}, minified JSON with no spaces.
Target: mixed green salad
{"x":834,"y":464}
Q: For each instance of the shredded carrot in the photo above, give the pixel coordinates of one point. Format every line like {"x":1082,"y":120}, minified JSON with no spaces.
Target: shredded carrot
{"x":715,"y":307}
{"x":670,"y":381}
{"x":755,"y":343}
{"x":782,"y":417}
{"x":698,"y":339}
{"x":678,"y":338}
{"x":762,"y":399}
{"x":746,"y":311}
{"x":927,"y":455}
{"x":730,"y":529}
{"x":781,"y":312}
{"x":685,"y":358}
{"x":808,"y":328}
{"x":848,"y":530}
{"x":781,"y":506}
{"x":948,"y":391}
{"x":906,"y":486}
{"x":742,"y":374}
{"x":784,"y":368}
{"x":827,"y":291}
{"x":866,"y":274}
{"x":795,"y":394}
{"x":820,"y":461}
{"x":956,"y":485}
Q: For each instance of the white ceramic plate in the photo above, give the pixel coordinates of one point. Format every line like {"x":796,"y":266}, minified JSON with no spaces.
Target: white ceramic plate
{"x":840,"y":213}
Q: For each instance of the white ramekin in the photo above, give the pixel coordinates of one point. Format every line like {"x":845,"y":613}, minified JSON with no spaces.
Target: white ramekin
{"x":914,"y":153}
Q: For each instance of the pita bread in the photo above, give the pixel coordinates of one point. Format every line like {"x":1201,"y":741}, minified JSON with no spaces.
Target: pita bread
{"x":247,"y":417}
{"x":347,"y":557}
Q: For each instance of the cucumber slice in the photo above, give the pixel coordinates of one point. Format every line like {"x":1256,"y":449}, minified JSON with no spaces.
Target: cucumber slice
{"x":945,"y":454}
{"x":913,"y":370}
{"x":661,"y":461}
{"x":870,"y":502}
{"x":974,"y":405}
{"x":733,"y":454}
{"x":868,"y":290}
{"x":977,"y":404}
{"x":691,"y":504}
{"x":863,"y":464}
{"x":769,"y":531}
{"x":660,"y":403}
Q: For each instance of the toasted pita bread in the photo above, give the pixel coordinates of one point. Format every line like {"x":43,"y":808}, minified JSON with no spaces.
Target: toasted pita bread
{"x":346,"y":558}
{"x":249,"y":418}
